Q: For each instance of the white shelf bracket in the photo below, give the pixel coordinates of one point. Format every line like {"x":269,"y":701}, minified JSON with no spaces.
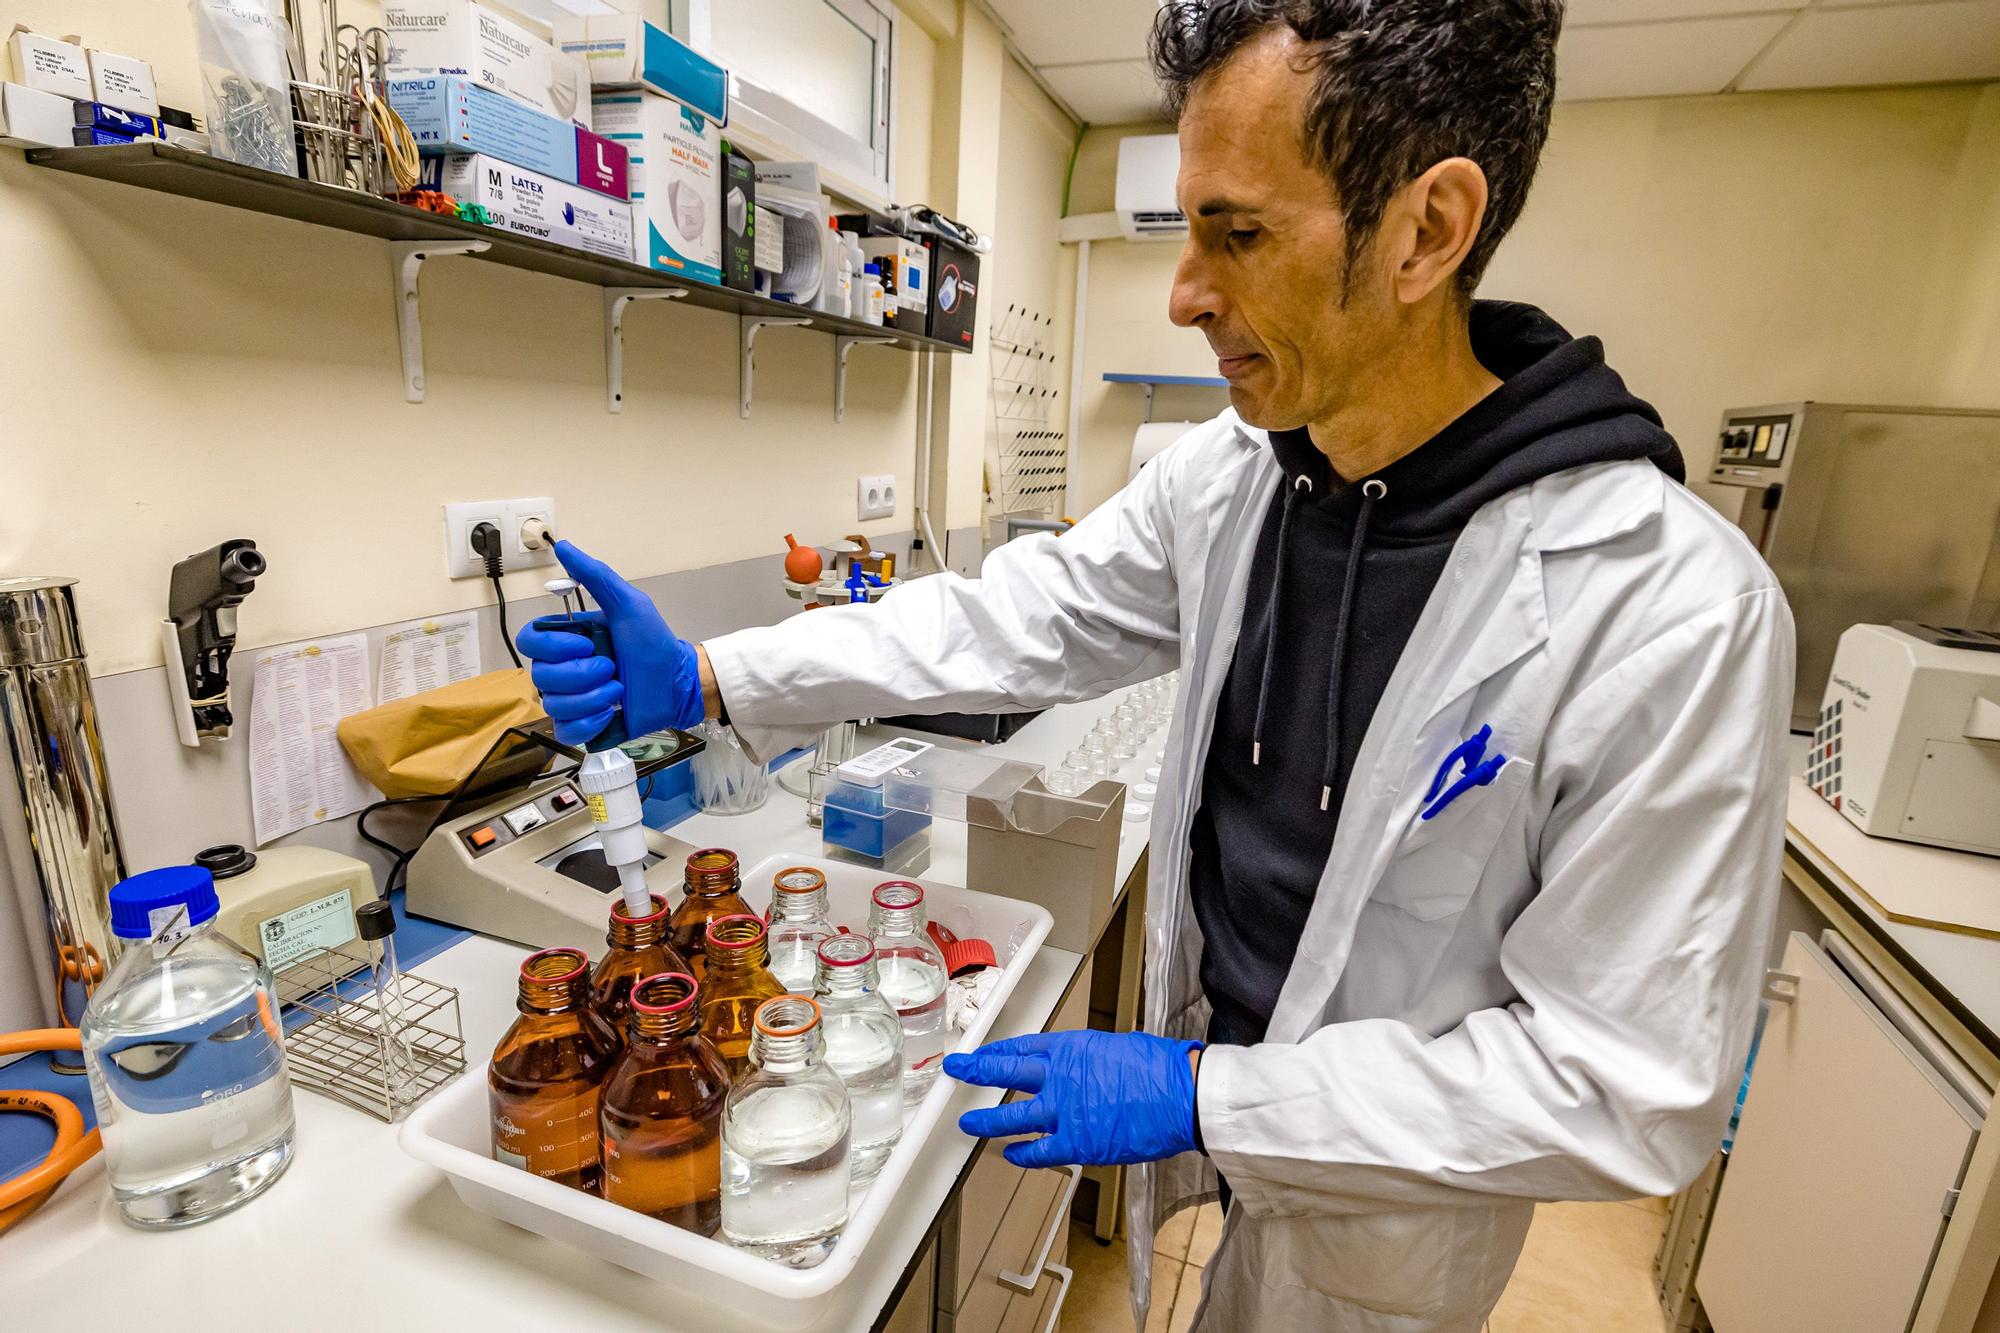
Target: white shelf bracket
{"x":842,"y":345}
{"x":751,"y":324}
{"x":407,"y":258}
{"x":615,"y":301}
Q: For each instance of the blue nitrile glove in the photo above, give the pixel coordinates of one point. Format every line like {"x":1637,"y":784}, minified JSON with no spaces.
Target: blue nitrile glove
{"x":657,"y":677}
{"x":1101,"y":1098}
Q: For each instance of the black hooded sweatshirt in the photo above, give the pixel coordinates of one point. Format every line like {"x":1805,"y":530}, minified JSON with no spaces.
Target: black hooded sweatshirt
{"x":1341,"y":574}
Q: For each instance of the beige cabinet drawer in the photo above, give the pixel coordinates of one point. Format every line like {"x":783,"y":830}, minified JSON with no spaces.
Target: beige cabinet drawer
{"x":1031,"y":1238}
{"x":1040,"y":1309}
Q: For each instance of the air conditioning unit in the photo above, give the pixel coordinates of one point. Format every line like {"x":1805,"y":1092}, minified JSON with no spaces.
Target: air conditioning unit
{"x":1147,"y":209}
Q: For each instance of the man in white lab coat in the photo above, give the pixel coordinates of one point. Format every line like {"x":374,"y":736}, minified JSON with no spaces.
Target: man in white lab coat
{"x":1468,"y":837}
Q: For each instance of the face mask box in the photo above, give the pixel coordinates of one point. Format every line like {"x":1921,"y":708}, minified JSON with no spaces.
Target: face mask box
{"x":533,"y":205}
{"x":50,"y":64}
{"x":954,"y":275}
{"x":625,"y":51}
{"x":675,"y":154}
{"x":461,"y":39}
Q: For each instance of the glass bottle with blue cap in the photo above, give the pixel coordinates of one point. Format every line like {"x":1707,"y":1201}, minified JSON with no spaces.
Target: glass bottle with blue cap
{"x":186,"y":1058}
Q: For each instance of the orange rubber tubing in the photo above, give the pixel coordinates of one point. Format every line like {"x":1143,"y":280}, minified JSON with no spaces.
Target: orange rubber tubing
{"x":31,"y":1189}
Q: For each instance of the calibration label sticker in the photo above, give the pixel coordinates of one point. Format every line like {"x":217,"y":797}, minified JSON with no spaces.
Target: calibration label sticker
{"x":324,"y":923}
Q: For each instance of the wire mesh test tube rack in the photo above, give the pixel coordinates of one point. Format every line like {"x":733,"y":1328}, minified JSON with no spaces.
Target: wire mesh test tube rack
{"x":336,"y":1041}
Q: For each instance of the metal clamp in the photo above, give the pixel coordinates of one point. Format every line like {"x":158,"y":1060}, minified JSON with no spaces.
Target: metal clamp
{"x":615,"y":301}
{"x":1780,"y":987}
{"x":406,"y":260}
{"x":751,"y":324}
{"x":1028,"y":1281}
{"x":842,"y":345}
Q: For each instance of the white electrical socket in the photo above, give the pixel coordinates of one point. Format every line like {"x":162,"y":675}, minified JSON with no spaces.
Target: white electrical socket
{"x":462,"y":562}
{"x":875,"y":497}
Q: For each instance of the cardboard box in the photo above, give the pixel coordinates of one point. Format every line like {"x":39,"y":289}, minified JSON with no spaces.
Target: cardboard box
{"x":954,"y":274}
{"x":675,"y":154}
{"x":625,"y":51}
{"x":906,"y":295}
{"x":530,"y":204}
{"x":739,"y":221}
{"x":487,"y":47}
{"x":451,"y":115}
{"x":50,"y":64}
{"x":31,"y":118}
{"x":770,"y":241}
{"x":123,"y":82}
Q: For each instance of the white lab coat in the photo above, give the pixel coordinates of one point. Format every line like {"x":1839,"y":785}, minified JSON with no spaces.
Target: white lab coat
{"x":1545,"y":992}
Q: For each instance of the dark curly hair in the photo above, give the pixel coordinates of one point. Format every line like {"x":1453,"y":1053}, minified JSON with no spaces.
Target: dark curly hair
{"x":1398,"y":86}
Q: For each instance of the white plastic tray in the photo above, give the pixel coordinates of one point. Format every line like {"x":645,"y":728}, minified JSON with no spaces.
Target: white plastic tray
{"x":451,"y":1132}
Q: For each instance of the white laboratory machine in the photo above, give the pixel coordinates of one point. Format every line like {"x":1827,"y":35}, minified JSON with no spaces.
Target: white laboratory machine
{"x":1908,"y":737}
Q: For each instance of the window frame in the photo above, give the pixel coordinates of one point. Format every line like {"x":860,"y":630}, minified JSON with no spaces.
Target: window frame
{"x":768,"y":123}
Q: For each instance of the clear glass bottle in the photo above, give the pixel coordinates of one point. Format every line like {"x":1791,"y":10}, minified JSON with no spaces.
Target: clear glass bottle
{"x":547,"y":1072}
{"x":785,"y":1131}
{"x":662,"y":1110}
{"x":739,"y":979}
{"x":186,"y":1058}
{"x":637,"y":948}
{"x":799,"y":921}
{"x":714,"y":884}
{"x":864,"y":1044}
{"x":913,"y":981}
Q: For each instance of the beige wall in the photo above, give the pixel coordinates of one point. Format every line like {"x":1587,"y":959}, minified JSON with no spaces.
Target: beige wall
{"x":1843,"y":246}
{"x":1031,"y":271}
{"x":177,"y":373}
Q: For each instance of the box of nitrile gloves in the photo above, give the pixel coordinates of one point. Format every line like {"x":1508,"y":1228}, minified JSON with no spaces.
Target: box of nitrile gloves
{"x":534,"y":205}
{"x":450,"y":115}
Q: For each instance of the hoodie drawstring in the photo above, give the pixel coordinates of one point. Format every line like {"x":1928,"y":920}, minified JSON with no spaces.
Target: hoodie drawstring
{"x":1371,"y":491}
{"x":1300,"y":486}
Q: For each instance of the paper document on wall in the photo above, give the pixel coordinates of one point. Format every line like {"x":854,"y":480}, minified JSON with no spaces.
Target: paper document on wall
{"x":426,"y":654}
{"x":299,"y":776}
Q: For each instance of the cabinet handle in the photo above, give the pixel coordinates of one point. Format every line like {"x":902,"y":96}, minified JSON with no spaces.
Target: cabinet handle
{"x":1028,"y":1281}
{"x":1063,"y":1275}
{"x":1780,"y":987}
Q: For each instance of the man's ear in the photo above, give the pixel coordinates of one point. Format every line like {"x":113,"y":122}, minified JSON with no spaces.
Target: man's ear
{"x":1433,"y":222}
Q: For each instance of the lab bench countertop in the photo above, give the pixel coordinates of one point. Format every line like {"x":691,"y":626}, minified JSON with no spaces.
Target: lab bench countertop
{"x":358,"y":1233}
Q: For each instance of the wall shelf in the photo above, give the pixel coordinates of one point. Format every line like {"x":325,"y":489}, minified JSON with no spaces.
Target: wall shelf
{"x":157,"y":166}
{"x":1153,"y":382}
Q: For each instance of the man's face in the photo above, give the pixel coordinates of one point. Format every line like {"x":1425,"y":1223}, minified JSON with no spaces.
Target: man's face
{"x":1261,"y":274}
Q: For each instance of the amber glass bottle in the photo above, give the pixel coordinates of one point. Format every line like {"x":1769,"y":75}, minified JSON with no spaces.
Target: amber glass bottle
{"x":714,"y":885}
{"x":638,"y":949}
{"x":662,"y":1113}
{"x":739,"y":979}
{"x":543,"y":1084}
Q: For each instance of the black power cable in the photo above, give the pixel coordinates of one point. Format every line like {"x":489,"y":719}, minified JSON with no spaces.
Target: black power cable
{"x":486,"y":542}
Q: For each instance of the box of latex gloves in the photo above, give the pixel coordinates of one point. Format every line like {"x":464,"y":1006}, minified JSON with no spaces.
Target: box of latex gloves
{"x":675,"y":154}
{"x":535,"y":205}
{"x":484,"y":46}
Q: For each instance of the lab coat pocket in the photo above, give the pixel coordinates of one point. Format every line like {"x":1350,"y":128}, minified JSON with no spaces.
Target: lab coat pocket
{"x":1440,"y":860}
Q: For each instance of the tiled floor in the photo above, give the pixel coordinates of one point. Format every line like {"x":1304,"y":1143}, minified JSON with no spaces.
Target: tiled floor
{"x":1587,"y":1268}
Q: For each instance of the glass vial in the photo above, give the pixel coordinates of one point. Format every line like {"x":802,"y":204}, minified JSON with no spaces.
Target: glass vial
{"x":799,"y":921}
{"x":864,"y":1044}
{"x":543,"y":1084}
{"x":913,"y":981}
{"x":739,"y":979}
{"x":185,"y":1057}
{"x":785,"y":1132}
{"x":714,"y":884}
{"x":662,"y":1110}
{"x":637,"y":948}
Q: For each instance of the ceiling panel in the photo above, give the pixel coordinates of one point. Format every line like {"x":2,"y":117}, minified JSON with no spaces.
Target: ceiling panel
{"x":1660,"y":59}
{"x":1584,"y":13}
{"x":1913,"y":43}
{"x":1067,"y":32}
{"x":1113,"y":93}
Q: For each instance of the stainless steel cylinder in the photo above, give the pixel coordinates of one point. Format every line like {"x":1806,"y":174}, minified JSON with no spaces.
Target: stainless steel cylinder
{"x":50,"y":718}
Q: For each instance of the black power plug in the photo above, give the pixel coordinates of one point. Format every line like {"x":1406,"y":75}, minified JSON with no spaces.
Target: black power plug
{"x":486,"y":545}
